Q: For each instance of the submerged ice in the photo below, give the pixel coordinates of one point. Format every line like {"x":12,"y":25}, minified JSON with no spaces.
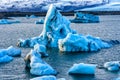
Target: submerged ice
{"x":57,"y":33}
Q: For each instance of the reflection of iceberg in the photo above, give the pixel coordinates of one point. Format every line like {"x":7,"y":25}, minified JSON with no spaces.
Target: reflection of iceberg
{"x":57,"y":33}
{"x":85,"y":18}
{"x":82,"y":68}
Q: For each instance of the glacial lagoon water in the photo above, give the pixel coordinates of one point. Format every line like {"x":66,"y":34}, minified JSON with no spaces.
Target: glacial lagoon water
{"x":107,"y":29}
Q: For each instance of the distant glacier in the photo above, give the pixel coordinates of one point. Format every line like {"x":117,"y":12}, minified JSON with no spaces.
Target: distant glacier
{"x":62,"y":5}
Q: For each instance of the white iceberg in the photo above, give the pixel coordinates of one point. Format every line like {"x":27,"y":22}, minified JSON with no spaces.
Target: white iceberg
{"x":6,"y":55}
{"x":45,"y":78}
{"x":37,"y":65}
{"x":82,"y":68}
{"x":85,"y":18}
{"x":31,"y":16}
{"x":112,"y":65}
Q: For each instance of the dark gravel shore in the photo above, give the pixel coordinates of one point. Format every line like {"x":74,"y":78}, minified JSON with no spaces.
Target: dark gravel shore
{"x":107,"y":29}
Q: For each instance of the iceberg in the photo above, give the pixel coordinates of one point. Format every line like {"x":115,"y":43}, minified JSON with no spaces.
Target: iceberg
{"x":55,"y":27}
{"x":37,"y":65}
{"x":5,"y":59}
{"x":76,"y":43}
{"x":112,"y":65}
{"x":82,"y":68}
{"x":57,"y":33}
{"x":41,"y":49}
{"x":5,"y":21}
{"x":6,"y":55}
{"x":41,"y":21}
{"x":85,"y":18}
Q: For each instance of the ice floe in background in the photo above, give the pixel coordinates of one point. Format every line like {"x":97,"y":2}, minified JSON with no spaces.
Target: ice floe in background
{"x":57,"y":33}
{"x":37,"y":66}
{"x":43,"y":5}
{"x":5,"y":21}
{"x":85,"y":18}
{"x":31,"y":16}
{"x":6,"y":55}
{"x":40,"y":21}
{"x":112,"y":65}
{"x":82,"y":68}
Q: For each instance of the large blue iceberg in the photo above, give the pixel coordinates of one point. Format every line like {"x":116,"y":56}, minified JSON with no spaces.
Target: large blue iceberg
{"x":57,"y":33}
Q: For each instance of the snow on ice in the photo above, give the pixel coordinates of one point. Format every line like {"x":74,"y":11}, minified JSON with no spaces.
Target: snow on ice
{"x":37,"y":65}
{"x":112,"y":65}
{"x":6,"y":55}
{"x":82,"y":68}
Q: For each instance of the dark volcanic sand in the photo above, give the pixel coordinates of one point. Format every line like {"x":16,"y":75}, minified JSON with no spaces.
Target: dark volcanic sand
{"x":107,"y":29}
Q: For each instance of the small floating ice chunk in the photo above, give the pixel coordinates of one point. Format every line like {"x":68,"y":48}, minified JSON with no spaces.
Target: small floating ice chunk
{"x":37,"y":65}
{"x":33,"y":16}
{"x":5,"y":59}
{"x":41,"y":49}
{"x":45,"y":78}
{"x":4,"y":21}
{"x":82,"y":68}
{"x":6,"y":55}
{"x":39,"y":22}
{"x":11,"y":51}
{"x":112,"y":66}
